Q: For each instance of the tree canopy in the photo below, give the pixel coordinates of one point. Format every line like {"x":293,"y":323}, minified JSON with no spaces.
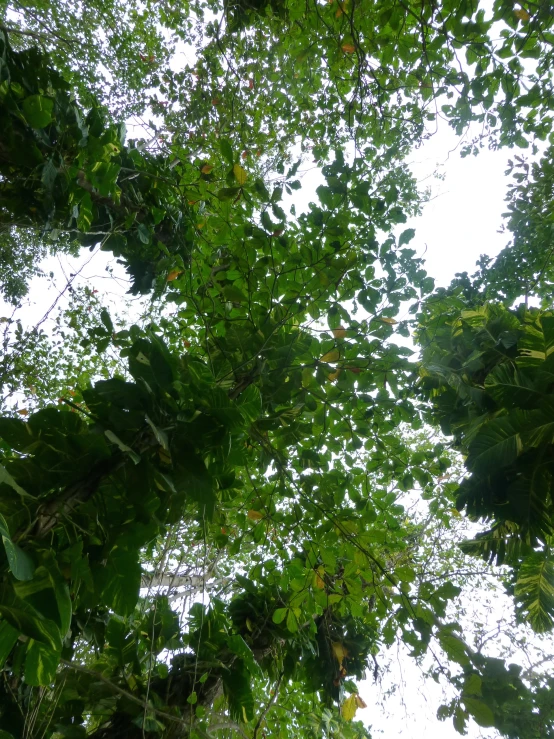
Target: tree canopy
{"x":211,"y":517}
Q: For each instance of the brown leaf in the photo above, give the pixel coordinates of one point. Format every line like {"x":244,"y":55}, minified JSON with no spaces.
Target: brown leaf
{"x":255,"y":515}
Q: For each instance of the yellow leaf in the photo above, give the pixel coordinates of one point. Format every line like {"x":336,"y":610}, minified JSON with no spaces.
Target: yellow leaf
{"x":390,"y":321}
{"x":348,"y":48}
{"x":332,"y":376}
{"x":349,"y":708}
{"x":174,"y":274}
{"x":249,"y":625}
{"x":164,"y":456}
{"x":332,"y":356}
{"x":255,"y":515}
{"x":23,"y":412}
{"x":360,"y":702}
{"x":522,"y":14}
{"x":339,"y":333}
{"x":240,"y":174}
{"x":318,"y":580}
{"x":206,"y":169}
{"x":340,"y":652}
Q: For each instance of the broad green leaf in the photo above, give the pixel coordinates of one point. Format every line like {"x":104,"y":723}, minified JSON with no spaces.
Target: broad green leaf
{"x":406,"y":236}
{"x":537,"y":343}
{"x":85,"y":215}
{"x":6,"y":478}
{"x":510,"y":387}
{"x":250,"y":403}
{"x":238,"y":646}
{"x":479,"y":710}
{"x":161,"y":436}
{"x":454,"y":646}
{"x":473,"y":684}
{"x":38,"y":110}
{"x":21,"y":564}
{"x":292,"y":622}
{"x":279,"y":615}
{"x":119,"y":581}
{"x":496,"y":444}
{"x":8,"y":638}
{"x":41,"y":664}
{"x":61,"y":591}
{"x":26,"y":621}
{"x":534,"y":591}
{"x":227,"y":151}
{"x":124,"y":447}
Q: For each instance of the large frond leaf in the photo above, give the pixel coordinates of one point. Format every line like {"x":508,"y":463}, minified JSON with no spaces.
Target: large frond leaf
{"x":534,"y":591}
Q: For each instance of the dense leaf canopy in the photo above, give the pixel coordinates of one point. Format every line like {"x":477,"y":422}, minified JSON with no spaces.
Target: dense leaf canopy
{"x":208,"y":516}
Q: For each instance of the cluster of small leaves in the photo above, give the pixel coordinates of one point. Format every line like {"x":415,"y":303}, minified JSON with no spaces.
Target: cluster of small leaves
{"x":523,"y":269}
{"x":108,"y":50}
{"x":70,"y":173}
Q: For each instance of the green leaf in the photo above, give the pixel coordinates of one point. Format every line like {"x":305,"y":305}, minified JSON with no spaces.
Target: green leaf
{"x":7,"y":479}
{"x":454,"y":647}
{"x":238,"y":646}
{"x":472,"y":685}
{"x":279,"y":615}
{"x":292,"y":622}
{"x":124,"y":447}
{"x":161,"y":436}
{"x":406,"y":236}
{"x":250,"y":403}
{"x":534,"y":591}
{"x":228,"y":193}
{"x":234,"y":295}
{"x":38,"y":109}
{"x":27,"y":621}
{"x":106,"y":320}
{"x":84,"y":218}
{"x":119,"y":581}
{"x":496,"y":444}
{"x":49,"y":174}
{"x":226,"y":150}
{"x":479,"y":710}
{"x":41,"y":664}
{"x":510,"y":387}
{"x":21,"y":564}
{"x":8,"y":638}
{"x":61,"y":591}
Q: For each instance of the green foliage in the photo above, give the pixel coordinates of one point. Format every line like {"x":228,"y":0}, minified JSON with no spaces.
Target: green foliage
{"x":488,"y":373}
{"x":257,"y":430}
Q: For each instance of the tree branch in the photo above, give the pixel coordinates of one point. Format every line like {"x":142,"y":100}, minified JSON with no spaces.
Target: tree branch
{"x":122,"y":691}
